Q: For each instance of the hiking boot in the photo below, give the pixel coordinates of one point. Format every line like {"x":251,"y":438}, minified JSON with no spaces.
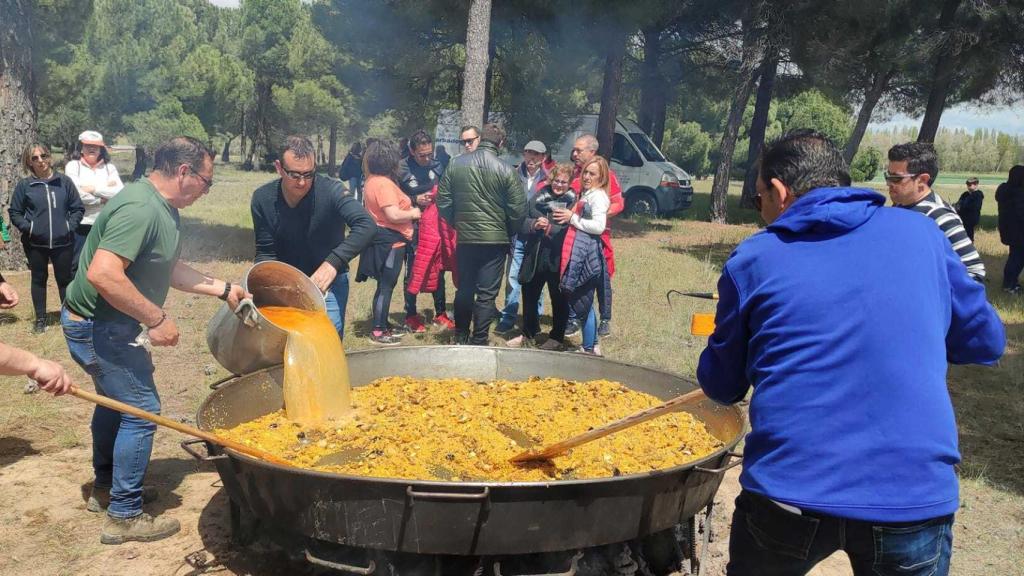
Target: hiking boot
{"x":572,"y":328}
{"x":384,"y":338}
{"x":415,"y":324}
{"x":604,"y":329}
{"x":552,"y":345}
{"x":444,"y":321}
{"x":39,"y":327}
{"x":141,"y":528}
{"x":99,"y":498}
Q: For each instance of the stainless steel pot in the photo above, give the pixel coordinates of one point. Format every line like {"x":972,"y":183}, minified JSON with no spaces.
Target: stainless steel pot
{"x":243,"y":340}
{"x":467,"y":518}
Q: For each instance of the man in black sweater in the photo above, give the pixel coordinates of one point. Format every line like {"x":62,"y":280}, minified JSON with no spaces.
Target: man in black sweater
{"x":300,"y":219}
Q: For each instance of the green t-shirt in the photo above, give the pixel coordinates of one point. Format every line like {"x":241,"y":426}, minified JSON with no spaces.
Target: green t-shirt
{"x":137,"y":224}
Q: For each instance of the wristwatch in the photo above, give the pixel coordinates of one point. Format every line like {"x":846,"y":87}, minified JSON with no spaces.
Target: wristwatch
{"x":227,"y":290}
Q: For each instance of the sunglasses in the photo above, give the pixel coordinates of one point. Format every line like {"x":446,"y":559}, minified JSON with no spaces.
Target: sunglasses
{"x":895,"y":178}
{"x":40,"y":157}
{"x":206,"y":181}
{"x":469,"y":141}
{"x":299,"y":175}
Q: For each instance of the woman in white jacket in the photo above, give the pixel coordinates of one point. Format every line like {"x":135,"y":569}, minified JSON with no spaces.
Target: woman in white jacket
{"x":97,"y":181}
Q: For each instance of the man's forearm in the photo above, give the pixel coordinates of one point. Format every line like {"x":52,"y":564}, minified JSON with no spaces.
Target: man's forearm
{"x":16,"y":362}
{"x":188,"y":279}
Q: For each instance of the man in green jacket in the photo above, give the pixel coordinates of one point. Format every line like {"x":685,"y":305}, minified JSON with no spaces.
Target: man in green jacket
{"x":482,"y":198}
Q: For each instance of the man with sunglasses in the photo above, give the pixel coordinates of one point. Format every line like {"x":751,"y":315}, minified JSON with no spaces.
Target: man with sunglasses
{"x":115,"y":305}
{"x":913,"y":167}
{"x":418,"y":176}
{"x":300,"y":219}
{"x":853,"y":440}
{"x":469,"y":138}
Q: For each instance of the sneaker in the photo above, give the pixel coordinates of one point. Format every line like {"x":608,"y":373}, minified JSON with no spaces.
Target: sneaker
{"x":604,"y":329}
{"x":141,"y":528}
{"x":99,"y":498}
{"x":504,"y":327}
{"x":39,"y":327}
{"x":384,"y":338}
{"x":572,"y":328}
{"x":552,"y":345}
{"x":444,"y":321}
{"x":1014,"y":290}
{"x":520,"y":341}
{"x":397,"y":331}
{"x":415,"y":324}
{"x":595,"y":352}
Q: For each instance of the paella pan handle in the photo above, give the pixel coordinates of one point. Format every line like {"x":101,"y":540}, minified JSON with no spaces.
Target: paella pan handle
{"x":186,"y":445}
{"x":573,"y":566}
{"x":348,"y":568}
{"x":246,"y":312}
{"x":739,"y":460}
{"x":222,"y":381}
{"x":448,"y":496}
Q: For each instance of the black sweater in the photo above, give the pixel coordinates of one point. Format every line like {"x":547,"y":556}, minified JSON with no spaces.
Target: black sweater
{"x":313,"y":232}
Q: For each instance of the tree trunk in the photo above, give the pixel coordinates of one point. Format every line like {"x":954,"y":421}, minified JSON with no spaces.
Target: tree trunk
{"x":225,"y":155}
{"x":946,"y":65}
{"x":478,"y":33}
{"x":492,"y":54}
{"x":241,"y":138}
{"x":653,"y":88}
{"x":741,"y":94}
{"x":758,"y":127}
{"x":140,"y":163}
{"x":17,"y":108}
{"x":332,"y":151}
{"x":610,"y":94}
{"x":871,"y":98}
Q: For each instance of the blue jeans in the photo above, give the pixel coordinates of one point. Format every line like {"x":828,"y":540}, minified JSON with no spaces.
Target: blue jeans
{"x":336,"y":300}
{"x":121,"y":444}
{"x":767,"y":540}
{"x":514,"y":290}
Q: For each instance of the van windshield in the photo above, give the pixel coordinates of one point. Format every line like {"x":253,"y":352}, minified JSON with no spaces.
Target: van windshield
{"x":647,"y":148}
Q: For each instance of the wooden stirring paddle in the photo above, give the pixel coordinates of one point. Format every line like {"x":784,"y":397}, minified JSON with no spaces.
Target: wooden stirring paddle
{"x":552,"y":450}
{"x":183,"y":428}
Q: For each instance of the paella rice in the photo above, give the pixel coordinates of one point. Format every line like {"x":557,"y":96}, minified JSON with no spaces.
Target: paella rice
{"x":459,"y":430}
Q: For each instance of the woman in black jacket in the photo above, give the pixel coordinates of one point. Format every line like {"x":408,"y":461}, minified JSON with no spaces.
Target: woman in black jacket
{"x":1010,"y":197}
{"x":542,"y":259}
{"x":46,"y":209}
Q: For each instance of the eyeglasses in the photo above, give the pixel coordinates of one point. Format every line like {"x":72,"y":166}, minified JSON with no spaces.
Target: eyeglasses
{"x":299,"y":175}
{"x":894,"y":178}
{"x":40,"y":157}
{"x":559,"y":182}
{"x":90,"y":150}
{"x":208,"y":182}
{"x":469,"y":141}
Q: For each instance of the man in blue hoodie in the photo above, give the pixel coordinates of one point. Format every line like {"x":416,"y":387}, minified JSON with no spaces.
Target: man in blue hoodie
{"x":842,"y":315}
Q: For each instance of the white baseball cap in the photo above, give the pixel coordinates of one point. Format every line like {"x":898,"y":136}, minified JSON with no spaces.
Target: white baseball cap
{"x":91,"y":137}
{"x":536,"y":146}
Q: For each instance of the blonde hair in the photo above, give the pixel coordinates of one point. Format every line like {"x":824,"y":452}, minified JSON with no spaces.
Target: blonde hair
{"x":26,"y":156}
{"x":562,"y":168}
{"x":602,"y":172}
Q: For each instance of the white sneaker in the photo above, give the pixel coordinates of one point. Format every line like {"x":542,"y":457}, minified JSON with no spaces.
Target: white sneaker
{"x":516,"y":342}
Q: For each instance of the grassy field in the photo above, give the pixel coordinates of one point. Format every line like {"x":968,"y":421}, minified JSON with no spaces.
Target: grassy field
{"x":44,"y":454}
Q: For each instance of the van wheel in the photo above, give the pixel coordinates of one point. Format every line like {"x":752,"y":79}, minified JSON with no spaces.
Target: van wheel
{"x":642,"y":203}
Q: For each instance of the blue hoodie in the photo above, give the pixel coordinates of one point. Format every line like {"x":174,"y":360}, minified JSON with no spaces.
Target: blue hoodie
{"x":842,"y":315}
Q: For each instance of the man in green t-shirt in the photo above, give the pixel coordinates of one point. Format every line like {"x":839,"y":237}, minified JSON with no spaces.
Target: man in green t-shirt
{"x":128,"y":263}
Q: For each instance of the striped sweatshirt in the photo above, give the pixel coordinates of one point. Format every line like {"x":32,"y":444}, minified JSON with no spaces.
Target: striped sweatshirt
{"x":934,"y":207}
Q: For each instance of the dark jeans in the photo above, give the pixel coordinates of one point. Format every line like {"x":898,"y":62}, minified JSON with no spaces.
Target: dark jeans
{"x":767,"y":540}
{"x":480,"y":271}
{"x":121,"y":444}
{"x":386,"y":283}
{"x":532,"y":291}
{"x":1014,"y":266}
{"x":80,"y":235}
{"x":410,"y":299}
{"x":38,"y":262}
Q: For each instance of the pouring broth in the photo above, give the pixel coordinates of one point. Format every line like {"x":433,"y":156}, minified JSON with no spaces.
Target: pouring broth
{"x":316,"y":382}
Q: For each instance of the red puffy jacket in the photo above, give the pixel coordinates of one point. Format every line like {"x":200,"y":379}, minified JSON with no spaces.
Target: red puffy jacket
{"x":435,"y":252}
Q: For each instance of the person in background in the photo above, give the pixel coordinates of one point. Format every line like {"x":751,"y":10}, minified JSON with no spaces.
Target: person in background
{"x":469,"y":138}
{"x":418,"y":176}
{"x":97,"y":180}
{"x":46,"y":208}
{"x":442,"y":156}
{"x":969,"y":206}
{"x":913,"y":168}
{"x":482,"y":199}
{"x":543,"y":239}
{"x":1010,"y":198}
{"x":534,"y":178}
{"x":583,"y":260}
{"x":394,"y":214}
{"x":301,"y":218}
{"x":351,"y":170}
{"x":115,"y":305}
{"x":583,"y":151}
{"x":841,"y":315}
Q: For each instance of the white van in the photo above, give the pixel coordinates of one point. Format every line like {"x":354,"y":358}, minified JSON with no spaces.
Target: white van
{"x":650,"y":183}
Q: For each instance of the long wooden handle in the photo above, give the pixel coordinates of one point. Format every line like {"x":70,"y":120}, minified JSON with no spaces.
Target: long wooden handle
{"x":552,"y":450}
{"x":183,"y":428}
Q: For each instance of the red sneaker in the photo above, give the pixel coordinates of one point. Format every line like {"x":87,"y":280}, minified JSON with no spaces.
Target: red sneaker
{"x":444,"y":321}
{"x":415,"y":324}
